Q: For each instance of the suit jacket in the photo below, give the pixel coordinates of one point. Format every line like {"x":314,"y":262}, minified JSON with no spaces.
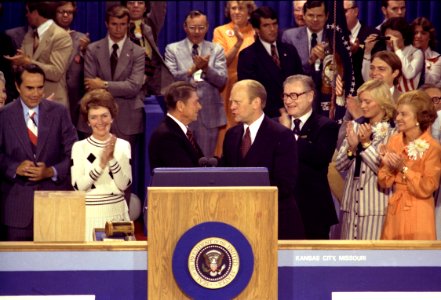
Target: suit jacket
{"x":170,"y":147}
{"x":17,"y":35}
{"x":256,"y":63}
{"x":274,"y":148}
{"x":52,"y":55}
{"x":75,"y":76}
{"x":154,"y":22}
{"x":56,"y":136}
{"x":179,"y":60}
{"x":298,"y":37}
{"x":126,"y":85}
{"x":316,"y":146}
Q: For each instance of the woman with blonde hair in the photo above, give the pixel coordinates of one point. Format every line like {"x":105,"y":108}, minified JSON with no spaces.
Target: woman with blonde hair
{"x":233,"y":37}
{"x":411,"y":165}
{"x":364,"y":203}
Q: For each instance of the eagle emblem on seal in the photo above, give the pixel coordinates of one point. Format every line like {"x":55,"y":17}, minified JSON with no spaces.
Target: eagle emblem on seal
{"x":213,"y":263}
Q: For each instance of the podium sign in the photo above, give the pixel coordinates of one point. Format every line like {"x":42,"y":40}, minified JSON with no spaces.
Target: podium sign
{"x":59,"y":216}
{"x":174,"y":211}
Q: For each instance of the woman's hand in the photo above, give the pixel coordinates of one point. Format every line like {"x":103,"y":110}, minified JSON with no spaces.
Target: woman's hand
{"x":364,"y":133}
{"x":351,"y":137}
{"x":107,"y":154}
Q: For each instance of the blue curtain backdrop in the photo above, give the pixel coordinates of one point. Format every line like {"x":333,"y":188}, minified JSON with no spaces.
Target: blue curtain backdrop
{"x":90,"y":17}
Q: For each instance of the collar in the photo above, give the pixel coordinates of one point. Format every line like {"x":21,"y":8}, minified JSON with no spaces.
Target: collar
{"x":44,"y":27}
{"x":303,"y":119}
{"x":267,"y":46}
{"x":181,"y":125}
{"x":26,"y":110}
{"x":120,"y":44}
{"x":319,"y":35}
{"x":355,"y":31}
{"x":254,"y":127}
{"x":190,"y":45}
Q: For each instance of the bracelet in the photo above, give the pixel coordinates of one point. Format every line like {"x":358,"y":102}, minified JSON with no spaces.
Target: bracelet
{"x":349,"y":153}
{"x":365,"y":145}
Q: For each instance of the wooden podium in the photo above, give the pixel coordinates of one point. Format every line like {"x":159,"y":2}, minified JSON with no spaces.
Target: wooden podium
{"x":59,"y":216}
{"x":174,"y":210}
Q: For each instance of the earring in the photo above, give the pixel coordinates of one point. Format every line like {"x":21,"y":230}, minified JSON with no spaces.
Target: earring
{"x":417,"y":124}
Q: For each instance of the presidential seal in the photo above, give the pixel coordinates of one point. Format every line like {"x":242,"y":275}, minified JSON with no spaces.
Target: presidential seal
{"x":213,"y":263}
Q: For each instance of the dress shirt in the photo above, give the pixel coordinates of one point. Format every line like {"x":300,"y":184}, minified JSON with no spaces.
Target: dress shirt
{"x":354,"y":32}
{"x":254,"y":127}
{"x":120,"y":45}
{"x":43,"y":28}
{"x":319,"y":37}
{"x":267,"y":47}
{"x":181,"y":125}
{"x":303,"y":120}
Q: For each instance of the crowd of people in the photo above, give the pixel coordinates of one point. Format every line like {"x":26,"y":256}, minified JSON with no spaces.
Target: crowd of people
{"x":253,"y":97}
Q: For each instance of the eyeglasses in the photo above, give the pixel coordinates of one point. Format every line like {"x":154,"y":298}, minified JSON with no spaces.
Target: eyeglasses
{"x":436,"y":100}
{"x":67,"y":12}
{"x":293,"y":96}
{"x":194,"y":28}
{"x":347,"y":9}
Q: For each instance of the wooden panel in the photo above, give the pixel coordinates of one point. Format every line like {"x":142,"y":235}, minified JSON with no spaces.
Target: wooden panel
{"x":59,"y":216}
{"x":172,"y":211}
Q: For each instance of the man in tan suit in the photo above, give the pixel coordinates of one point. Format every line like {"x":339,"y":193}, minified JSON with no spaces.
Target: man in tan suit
{"x":49,"y":47}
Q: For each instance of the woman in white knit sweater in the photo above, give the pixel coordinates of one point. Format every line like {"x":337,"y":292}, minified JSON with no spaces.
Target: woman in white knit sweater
{"x":101,"y":164}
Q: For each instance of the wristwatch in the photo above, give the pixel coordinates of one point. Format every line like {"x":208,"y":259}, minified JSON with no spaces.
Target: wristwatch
{"x":106,"y":84}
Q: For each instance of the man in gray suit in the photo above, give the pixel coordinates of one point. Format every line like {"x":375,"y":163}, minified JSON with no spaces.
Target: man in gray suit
{"x":49,"y":47}
{"x":202,"y":63}
{"x":144,"y":30}
{"x":116,"y":64}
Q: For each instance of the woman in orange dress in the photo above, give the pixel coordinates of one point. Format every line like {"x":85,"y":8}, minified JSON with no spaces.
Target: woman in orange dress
{"x":233,"y":37}
{"x":411,"y":163}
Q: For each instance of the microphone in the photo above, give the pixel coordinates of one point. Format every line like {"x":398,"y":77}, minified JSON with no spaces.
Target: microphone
{"x":203,"y":161}
{"x":207,"y":161}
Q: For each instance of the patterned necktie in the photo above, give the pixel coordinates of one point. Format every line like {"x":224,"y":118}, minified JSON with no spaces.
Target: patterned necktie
{"x":274,"y":55}
{"x":246,"y":143}
{"x":296,"y":129}
{"x":313,"y":41}
{"x":114,"y":59}
{"x":194,"y":52}
{"x":32,"y":128}
{"x":192,"y":139}
{"x":36,"y":40}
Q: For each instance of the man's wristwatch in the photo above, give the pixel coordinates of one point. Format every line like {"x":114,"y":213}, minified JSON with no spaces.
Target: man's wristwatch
{"x":106,"y":84}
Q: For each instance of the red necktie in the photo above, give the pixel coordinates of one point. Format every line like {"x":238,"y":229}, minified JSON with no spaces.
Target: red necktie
{"x":32,"y":128}
{"x":274,"y":55}
{"x":192,"y":139}
{"x":246,"y":143}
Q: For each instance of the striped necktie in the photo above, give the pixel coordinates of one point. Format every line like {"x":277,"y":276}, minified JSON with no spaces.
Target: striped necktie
{"x":32,"y":128}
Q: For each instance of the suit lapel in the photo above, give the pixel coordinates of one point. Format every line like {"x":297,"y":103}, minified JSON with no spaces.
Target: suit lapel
{"x":267,"y":60}
{"x":44,"y":125}
{"x":21,"y":128}
{"x":104,"y":58}
{"x":44,"y":42}
{"x":302,"y":46}
{"x":27,"y":44}
{"x":124,"y":58}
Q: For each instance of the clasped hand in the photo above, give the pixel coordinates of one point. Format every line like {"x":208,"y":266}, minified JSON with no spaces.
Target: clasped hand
{"x":34,"y":172}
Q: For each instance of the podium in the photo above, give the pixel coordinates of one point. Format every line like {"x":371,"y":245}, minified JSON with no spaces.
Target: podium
{"x":173,"y":211}
{"x":59,"y":216}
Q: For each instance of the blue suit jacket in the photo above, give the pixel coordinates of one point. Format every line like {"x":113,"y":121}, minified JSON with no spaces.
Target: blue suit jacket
{"x":256,"y":63}
{"x":56,"y":136}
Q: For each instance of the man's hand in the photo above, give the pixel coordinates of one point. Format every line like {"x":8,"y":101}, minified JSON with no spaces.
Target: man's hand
{"x":93,"y":83}
{"x":34,"y":172}
{"x":318,"y":52}
{"x":201,"y":62}
{"x":19,"y":59}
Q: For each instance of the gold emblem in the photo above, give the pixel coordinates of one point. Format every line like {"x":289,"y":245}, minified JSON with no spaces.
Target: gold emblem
{"x":213,"y":263}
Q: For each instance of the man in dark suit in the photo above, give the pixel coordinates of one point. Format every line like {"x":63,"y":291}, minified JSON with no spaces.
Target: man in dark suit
{"x":146,"y":21}
{"x":172,"y":143}
{"x":268,"y":60}
{"x":124,"y":80}
{"x":258,"y":141}
{"x":316,"y":137}
{"x":30,"y":162}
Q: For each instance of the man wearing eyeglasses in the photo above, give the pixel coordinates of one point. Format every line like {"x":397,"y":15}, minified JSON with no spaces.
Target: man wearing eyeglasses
{"x":316,"y":137}
{"x":64,"y":16}
{"x":203,"y":63}
{"x":47,"y":46}
{"x":259,"y":141}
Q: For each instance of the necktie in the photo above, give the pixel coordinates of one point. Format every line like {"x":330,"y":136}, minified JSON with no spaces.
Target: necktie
{"x":32,"y":128}
{"x":296,"y":129}
{"x":36,"y":40}
{"x":114,"y":59}
{"x":274,"y":55}
{"x":313,"y":40}
{"x":246,"y":143}
{"x":194,"y":52}
{"x":192,"y":139}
